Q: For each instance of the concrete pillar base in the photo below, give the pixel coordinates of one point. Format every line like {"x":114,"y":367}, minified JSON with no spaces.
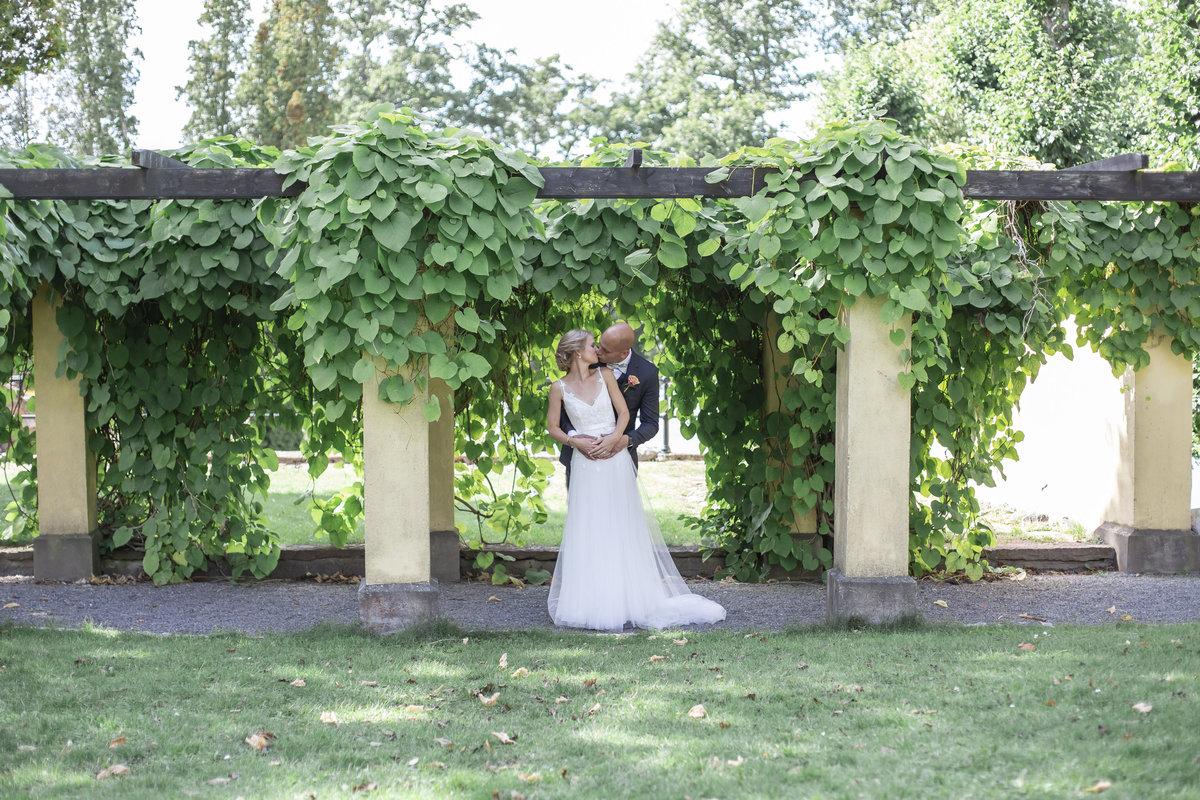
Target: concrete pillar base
{"x":444,"y":556}
{"x":391,"y":607}
{"x":1152,"y":551}
{"x":872,"y":600}
{"x":65,"y":556}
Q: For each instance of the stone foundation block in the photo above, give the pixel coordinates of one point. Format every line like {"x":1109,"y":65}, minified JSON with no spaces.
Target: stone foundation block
{"x":1152,"y":551}
{"x":443,"y":556}
{"x":386,"y":608}
{"x":872,"y":600}
{"x":65,"y":556}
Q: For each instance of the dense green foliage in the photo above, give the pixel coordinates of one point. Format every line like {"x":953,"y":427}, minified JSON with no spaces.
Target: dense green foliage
{"x":419,"y":258}
{"x":30,"y":38}
{"x":1065,"y":82}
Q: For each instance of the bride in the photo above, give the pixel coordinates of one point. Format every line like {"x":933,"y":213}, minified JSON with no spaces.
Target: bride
{"x":613,"y":567}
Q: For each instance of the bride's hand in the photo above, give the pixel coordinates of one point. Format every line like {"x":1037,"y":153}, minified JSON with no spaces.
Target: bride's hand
{"x":608,"y":446}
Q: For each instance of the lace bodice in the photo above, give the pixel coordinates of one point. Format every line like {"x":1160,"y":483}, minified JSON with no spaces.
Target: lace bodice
{"x":596,"y":418}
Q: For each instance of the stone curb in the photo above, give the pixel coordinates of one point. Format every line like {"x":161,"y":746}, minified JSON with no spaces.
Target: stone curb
{"x":299,"y":561}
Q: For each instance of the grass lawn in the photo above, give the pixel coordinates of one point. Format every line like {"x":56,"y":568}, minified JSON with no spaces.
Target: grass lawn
{"x":934,"y":712}
{"x":674,"y":488}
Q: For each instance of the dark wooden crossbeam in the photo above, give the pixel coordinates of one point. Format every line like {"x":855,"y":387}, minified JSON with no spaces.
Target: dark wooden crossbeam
{"x":158,"y":177}
{"x":152,"y":183}
{"x":1083,"y":185}
{"x":577,"y":183}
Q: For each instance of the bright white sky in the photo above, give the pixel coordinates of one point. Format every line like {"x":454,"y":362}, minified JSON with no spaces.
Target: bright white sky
{"x":604,"y":40}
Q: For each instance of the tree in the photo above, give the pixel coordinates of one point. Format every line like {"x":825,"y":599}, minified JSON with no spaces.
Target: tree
{"x":854,"y":24}
{"x":288,"y":92}
{"x":401,"y":52}
{"x":534,"y":107}
{"x":1165,"y":97}
{"x":31,"y":38}
{"x":1041,"y":78}
{"x":214,"y":68}
{"x":712,"y":76}
{"x":94,"y":88}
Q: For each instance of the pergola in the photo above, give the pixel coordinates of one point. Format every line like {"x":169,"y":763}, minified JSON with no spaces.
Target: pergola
{"x":411,"y":541}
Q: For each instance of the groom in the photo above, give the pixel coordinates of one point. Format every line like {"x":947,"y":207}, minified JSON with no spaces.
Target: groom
{"x":638,"y":381}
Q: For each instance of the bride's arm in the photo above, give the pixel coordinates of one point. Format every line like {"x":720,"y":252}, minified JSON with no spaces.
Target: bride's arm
{"x":611,"y":443}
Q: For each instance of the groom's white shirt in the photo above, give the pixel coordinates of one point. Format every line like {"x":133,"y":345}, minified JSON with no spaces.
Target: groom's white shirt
{"x":621,"y":367}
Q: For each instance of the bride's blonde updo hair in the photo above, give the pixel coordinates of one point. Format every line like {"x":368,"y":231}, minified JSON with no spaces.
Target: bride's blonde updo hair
{"x":569,"y":344}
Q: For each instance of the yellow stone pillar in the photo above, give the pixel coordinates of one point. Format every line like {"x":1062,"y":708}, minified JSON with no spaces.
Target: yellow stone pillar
{"x":66,"y":548}
{"x":869,"y":580}
{"x":398,"y":588}
{"x":443,"y":535}
{"x":777,"y":378}
{"x":1150,"y":521}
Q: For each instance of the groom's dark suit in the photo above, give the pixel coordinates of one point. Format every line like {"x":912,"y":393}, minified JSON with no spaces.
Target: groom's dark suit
{"x":641,"y":395}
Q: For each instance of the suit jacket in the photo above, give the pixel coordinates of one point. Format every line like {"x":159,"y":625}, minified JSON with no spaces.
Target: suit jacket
{"x":642,"y":399}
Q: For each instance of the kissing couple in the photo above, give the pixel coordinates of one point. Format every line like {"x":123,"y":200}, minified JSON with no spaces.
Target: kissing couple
{"x":613,"y":567}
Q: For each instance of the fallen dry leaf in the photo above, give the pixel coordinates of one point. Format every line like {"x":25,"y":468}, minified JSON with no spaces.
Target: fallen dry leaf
{"x":589,"y":683}
{"x":329,"y":718}
{"x":117,"y":742}
{"x":412,"y":762}
{"x":941,"y":603}
{"x":1143,"y":708}
{"x":1027,"y":647}
{"x":368,"y":683}
{"x":444,"y":742}
{"x":260,"y":741}
{"x":503,"y":737}
{"x":504,"y":661}
{"x":657,"y":658}
{"x":561,"y":700}
{"x":12,"y":605}
{"x":697,"y":711}
{"x":737,"y":762}
{"x":435,"y":765}
{"x":1110,"y":610}
{"x":1032,"y":617}
{"x":413,"y":709}
{"x":233,"y":776}
{"x":489,"y":701}
{"x":593,"y":709}
{"x":534,"y":778}
{"x":1099,"y":787}
{"x":679,"y":641}
{"x":802,"y":665}
{"x":519,"y":672}
{"x":493,"y":599}
{"x":366,"y":787}
{"x":1127,"y":618}
{"x":115,"y":769}
{"x":299,"y":683}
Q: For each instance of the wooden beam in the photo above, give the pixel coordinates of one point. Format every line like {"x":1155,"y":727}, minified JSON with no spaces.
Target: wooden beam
{"x":1126,"y":161}
{"x":1082,"y":185}
{"x":132,"y":184}
{"x":573,"y":183}
{"x":149,"y":159}
{"x":577,"y":183}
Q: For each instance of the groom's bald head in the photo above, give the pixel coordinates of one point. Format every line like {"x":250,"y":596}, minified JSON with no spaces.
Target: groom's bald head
{"x":616,"y":342}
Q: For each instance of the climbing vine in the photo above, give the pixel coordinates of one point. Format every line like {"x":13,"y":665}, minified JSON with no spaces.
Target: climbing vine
{"x":419,"y":263}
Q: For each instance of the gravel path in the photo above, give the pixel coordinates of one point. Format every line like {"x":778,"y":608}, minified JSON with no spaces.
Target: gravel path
{"x":287,"y":606}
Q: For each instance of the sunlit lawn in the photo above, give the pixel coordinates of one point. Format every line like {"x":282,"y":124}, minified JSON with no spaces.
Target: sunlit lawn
{"x":675,"y":489}
{"x":937,"y":712}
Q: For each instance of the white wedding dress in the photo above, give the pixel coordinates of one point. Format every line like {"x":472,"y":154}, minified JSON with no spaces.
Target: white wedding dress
{"x":613,"y":567}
